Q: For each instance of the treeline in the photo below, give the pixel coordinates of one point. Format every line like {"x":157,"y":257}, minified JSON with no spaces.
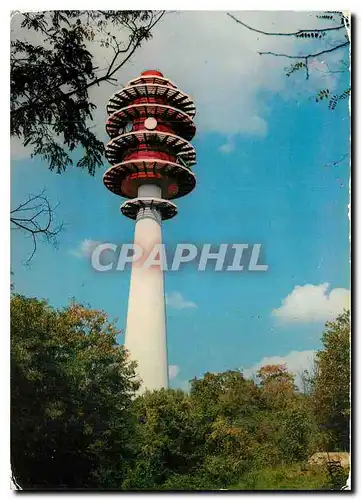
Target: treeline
{"x":77,"y":424}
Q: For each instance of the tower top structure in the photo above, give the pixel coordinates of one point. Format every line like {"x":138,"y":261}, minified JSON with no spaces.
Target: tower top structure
{"x":150,"y":125}
{"x":151,"y":72}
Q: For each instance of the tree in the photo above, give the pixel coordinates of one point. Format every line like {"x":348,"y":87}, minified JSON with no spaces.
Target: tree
{"x":288,"y":423}
{"x":225,"y":393}
{"x":331,"y":394}
{"x":50,"y":80}
{"x":334,"y":38}
{"x":296,"y":432}
{"x":277,"y":385}
{"x":71,"y":390}
{"x":228,"y":409}
{"x":76,"y":422}
{"x":277,"y":375}
{"x":197,"y":441}
{"x":169,"y":440}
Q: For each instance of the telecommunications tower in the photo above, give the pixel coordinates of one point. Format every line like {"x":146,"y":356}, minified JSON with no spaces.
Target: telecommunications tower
{"x":150,"y":124}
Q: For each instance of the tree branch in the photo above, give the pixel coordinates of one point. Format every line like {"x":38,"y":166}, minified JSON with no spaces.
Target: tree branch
{"x":303,"y":59}
{"x":38,"y":222}
{"x":307,"y":57}
{"x":335,"y":163}
{"x":294,"y":33}
{"x":110,"y":71}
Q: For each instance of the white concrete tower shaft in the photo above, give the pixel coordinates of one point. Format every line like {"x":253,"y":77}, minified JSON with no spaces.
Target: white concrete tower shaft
{"x":145,"y":336}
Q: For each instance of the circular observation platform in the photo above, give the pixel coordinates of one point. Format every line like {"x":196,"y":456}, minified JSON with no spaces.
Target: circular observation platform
{"x":149,"y":89}
{"x":125,"y":178}
{"x":172,"y":145}
{"x":166,"y":116}
{"x":165,"y":208}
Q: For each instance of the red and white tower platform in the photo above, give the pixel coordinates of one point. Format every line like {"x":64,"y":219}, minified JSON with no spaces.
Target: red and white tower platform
{"x":150,"y":124}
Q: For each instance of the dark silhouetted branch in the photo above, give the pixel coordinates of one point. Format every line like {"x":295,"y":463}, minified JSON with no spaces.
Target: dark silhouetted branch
{"x":294,"y":33}
{"x":35,"y":217}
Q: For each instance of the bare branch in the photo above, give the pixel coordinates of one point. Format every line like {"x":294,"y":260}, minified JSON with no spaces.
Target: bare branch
{"x":294,"y":33}
{"x":307,"y":57}
{"x":335,"y":163}
{"x":36,"y":219}
{"x":303,"y":59}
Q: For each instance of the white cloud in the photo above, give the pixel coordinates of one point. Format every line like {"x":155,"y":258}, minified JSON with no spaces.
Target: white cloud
{"x":85,"y":248}
{"x":227,"y":147}
{"x":177,"y":301}
{"x":296,"y":362}
{"x":313,"y":303}
{"x":216,"y":61}
{"x":173,"y":371}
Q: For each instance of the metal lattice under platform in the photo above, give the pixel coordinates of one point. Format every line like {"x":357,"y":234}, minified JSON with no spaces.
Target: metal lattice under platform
{"x":166,"y":208}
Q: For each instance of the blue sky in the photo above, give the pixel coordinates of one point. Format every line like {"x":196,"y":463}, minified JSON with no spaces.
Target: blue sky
{"x":270,"y":183}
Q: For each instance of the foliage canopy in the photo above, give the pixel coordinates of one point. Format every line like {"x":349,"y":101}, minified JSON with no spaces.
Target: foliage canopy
{"x":78,"y":421}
